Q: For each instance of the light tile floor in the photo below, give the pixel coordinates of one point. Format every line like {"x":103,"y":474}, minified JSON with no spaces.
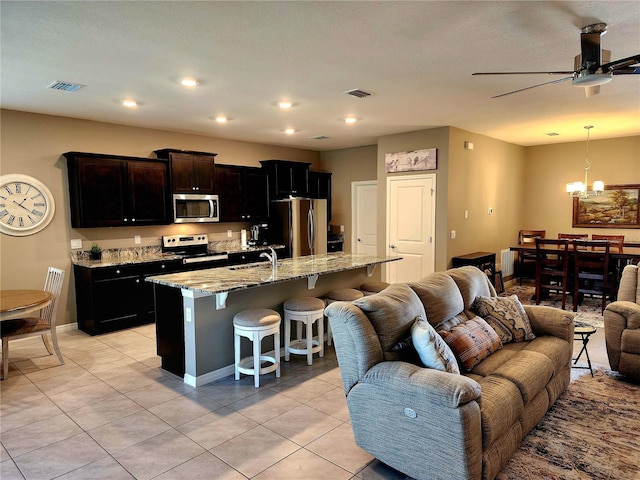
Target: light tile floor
{"x":112,"y":413}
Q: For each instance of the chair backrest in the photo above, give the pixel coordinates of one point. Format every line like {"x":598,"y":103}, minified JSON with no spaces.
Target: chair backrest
{"x":616,"y":241}
{"x":573,"y":236}
{"x":529,"y":236}
{"x":552,"y":254}
{"x":53,"y":285}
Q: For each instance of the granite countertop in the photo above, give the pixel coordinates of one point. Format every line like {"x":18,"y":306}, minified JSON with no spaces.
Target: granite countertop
{"x":114,"y":257}
{"x":228,"y":279}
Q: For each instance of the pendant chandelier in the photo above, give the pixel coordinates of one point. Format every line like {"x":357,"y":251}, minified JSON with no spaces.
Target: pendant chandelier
{"x":580,"y":189}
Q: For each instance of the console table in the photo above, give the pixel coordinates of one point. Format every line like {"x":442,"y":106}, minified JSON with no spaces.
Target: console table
{"x":485,"y":261}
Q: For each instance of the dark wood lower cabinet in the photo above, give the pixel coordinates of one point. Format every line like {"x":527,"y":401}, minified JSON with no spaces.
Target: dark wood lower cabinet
{"x":170,"y":328}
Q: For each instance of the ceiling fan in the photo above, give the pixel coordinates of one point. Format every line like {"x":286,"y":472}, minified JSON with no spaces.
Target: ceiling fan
{"x":589,"y":71}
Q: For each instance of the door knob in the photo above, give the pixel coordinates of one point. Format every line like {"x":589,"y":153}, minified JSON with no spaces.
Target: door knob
{"x":392,"y":247}
{"x":359,"y":239}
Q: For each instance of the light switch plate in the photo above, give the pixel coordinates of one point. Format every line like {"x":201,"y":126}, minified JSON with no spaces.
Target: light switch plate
{"x":137,"y":240}
{"x":76,"y":243}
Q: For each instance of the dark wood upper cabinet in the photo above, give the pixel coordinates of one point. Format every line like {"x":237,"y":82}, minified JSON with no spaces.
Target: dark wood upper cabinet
{"x":191,"y":172}
{"x":243,"y":193}
{"x":320,"y":187}
{"x":287,"y":178}
{"x":110,"y":190}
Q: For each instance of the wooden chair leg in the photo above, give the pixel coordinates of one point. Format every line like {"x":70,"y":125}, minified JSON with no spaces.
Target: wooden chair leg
{"x":5,"y":358}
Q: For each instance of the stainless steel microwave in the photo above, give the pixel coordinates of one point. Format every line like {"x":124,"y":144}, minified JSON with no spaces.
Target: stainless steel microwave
{"x":195,"y":208}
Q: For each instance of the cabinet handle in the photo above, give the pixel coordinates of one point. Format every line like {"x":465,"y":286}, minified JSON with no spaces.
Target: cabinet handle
{"x":163,"y":266}
{"x":133,"y":219}
{"x":137,"y":280}
{"x":126,"y":220}
{"x":118,"y":272}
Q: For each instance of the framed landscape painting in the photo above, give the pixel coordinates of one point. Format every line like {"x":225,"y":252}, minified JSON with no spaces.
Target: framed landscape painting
{"x":616,"y":207}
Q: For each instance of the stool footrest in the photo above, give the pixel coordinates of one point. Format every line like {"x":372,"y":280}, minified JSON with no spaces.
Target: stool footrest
{"x":300,"y":346}
{"x":246,"y":365}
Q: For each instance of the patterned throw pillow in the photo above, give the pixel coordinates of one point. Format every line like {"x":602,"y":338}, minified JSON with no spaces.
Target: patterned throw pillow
{"x":506,"y":316}
{"x":432,"y":349}
{"x":472,"y":341}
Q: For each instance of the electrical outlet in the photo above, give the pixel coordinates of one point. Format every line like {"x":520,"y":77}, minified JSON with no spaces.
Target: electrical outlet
{"x":137,"y":240}
{"x":76,"y":243}
{"x":490,"y":210}
{"x":341,"y":228}
{"x":187,"y":314}
{"x":466,"y":214}
{"x":453,"y":234}
{"x":229,"y":233}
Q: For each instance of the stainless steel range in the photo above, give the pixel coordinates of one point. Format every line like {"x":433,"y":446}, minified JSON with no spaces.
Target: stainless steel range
{"x":193,"y":248}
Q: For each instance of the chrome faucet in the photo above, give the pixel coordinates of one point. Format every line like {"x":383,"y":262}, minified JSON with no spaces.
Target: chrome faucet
{"x":273,"y":258}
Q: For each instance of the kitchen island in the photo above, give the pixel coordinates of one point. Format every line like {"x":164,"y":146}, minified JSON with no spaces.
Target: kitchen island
{"x":194,"y":310}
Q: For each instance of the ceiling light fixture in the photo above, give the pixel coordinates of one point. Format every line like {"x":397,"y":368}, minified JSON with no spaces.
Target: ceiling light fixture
{"x":350,"y":120}
{"x":579,"y":189}
{"x":284,"y":105}
{"x":289,"y":131}
{"x":189,"y":82}
{"x":129,"y":103}
{"x":221,"y":119}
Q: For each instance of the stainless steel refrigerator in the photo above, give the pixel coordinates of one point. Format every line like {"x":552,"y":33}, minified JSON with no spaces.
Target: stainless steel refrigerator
{"x":301,"y":224}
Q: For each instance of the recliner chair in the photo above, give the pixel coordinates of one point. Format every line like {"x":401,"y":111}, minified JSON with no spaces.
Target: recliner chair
{"x":622,"y":325}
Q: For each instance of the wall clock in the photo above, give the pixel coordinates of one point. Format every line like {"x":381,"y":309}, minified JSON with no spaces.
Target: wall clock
{"x":26,"y":205}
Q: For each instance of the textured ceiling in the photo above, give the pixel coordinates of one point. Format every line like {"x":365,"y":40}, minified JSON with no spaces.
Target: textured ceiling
{"x":416,"y":58}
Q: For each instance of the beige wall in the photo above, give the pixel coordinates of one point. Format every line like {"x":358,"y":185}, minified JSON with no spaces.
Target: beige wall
{"x":431,"y":138}
{"x":550,"y":167}
{"x":489,"y":176}
{"x":347,"y":165}
{"x":33,"y":144}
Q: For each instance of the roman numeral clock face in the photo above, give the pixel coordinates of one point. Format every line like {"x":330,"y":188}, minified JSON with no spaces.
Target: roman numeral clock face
{"x":26,"y":205}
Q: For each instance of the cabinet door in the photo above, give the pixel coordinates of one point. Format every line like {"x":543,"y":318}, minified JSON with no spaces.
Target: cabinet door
{"x":320,"y":187}
{"x":203,"y":172}
{"x":99,"y":193}
{"x":256,"y":194}
{"x":182,"y":173}
{"x":148,"y":193}
{"x":228,"y":184}
{"x":299,"y":179}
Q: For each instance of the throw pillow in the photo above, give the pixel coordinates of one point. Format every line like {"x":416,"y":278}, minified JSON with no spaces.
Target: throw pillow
{"x":432,"y":349}
{"x":472,"y":341}
{"x":507,"y":317}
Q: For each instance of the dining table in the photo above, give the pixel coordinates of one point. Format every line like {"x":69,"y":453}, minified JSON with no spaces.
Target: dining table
{"x":20,"y":303}
{"x":617,"y":260}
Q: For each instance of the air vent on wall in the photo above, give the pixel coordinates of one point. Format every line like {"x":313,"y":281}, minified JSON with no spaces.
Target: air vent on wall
{"x":319,"y":137}
{"x":66,"y":86}
{"x":356,"y":92}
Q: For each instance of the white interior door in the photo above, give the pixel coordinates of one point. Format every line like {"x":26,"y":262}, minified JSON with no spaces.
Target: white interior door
{"x":364,"y":212}
{"x":411,"y":215}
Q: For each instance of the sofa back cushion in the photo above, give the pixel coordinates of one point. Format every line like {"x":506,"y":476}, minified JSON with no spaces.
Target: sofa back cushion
{"x":440,"y":298}
{"x":392,"y":313}
{"x":472,"y":283}
{"x":629,"y":288}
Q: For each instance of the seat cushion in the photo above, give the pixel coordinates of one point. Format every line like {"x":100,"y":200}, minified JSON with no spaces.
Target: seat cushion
{"x":303,"y":304}
{"x":344,"y":295}
{"x":529,"y":371}
{"x":256,"y":317}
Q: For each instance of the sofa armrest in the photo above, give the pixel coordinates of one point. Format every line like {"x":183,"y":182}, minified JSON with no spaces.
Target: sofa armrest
{"x":629,"y":313}
{"x":423,"y":385}
{"x":550,"y":321}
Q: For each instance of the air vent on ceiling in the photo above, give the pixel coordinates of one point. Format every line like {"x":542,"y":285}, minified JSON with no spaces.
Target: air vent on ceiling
{"x":356,"y":92}
{"x":319,"y":137}
{"x":66,"y":86}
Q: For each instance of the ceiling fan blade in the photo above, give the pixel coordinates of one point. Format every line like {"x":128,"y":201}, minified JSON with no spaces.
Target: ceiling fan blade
{"x":523,"y":73}
{"x":627,"y":71}
{"x":534,"y":86}
{"x":621,"y":64}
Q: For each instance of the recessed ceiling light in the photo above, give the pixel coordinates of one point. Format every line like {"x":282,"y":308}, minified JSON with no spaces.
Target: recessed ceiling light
{"x":130,"y":103}
{"x":350,"y":120}
{"x":189,"y":82}
{"x":221,"y":119}
{"x":285,"y":104}
{"x":289,"y":131}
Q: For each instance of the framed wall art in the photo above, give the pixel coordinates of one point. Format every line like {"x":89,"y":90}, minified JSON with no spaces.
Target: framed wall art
{"x":616,"y":207}
{"x":408,"y":161}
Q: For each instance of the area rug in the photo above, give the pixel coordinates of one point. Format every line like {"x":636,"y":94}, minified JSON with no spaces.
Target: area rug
{"x":588,"y":312}
{"x":591,"y":433}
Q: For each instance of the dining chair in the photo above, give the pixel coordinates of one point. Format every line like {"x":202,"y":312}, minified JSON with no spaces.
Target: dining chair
{"x":552,"y":265}
{"x":526,"y":260}
{"x":615,"y":241}
{"x":591,"y":271}
{"x":34,"y":326}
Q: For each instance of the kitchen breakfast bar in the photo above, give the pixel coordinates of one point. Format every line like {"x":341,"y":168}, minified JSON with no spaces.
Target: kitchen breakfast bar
{"x":194,"y":310}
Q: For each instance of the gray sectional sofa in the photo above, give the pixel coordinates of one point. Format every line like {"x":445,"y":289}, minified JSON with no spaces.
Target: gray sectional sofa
{"x":431,"y":424}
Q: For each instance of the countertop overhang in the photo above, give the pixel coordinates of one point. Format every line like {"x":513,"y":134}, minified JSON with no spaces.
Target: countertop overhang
{"x":222,"y":280}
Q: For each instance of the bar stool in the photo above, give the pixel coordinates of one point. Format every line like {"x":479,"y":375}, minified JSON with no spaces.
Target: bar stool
{"x":369,"y":288}
{"x":340,"y":295}
{"x":305,"y":310}
{"x":255,"y":324}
